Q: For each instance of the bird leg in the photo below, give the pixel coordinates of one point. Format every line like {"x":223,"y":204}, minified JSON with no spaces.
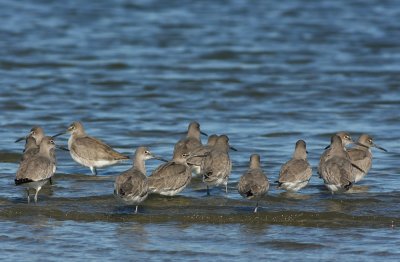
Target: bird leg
{"x":136,"y":209}
{"x":208,"y":191}
{"x":255,"y":209}
{"x":94,"y":170}
{"x":27,"y":193}
{"x":36,"y":193}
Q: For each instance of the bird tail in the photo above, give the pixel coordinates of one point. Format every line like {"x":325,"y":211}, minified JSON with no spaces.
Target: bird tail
{"x":279,"y":184}
{"x":22,"y":181}
{"x":207,"y":175}
{"x":348,"y":186}
{"x":249,"y":193}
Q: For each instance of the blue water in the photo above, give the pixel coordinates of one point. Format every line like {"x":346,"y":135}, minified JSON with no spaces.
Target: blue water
{"x":264,"y":73}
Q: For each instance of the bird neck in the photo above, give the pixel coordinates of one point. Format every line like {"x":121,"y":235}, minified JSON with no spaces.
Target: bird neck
{"x":254,"y":164}
{"x":44,"y":151}
{"x":195,"y":135}
{"x":140,"y":165}
{"x":362,"y":147}
{"x":300,"y":154}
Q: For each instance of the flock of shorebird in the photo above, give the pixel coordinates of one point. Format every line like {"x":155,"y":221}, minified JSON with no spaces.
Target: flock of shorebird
{"x":339,"y":167}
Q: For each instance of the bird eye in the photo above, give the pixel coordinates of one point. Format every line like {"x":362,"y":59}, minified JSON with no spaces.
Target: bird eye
{"x":51,"y":141}
{"x":347,"y":137}
{"x":370,"y":141}
{"x":147,"y":152}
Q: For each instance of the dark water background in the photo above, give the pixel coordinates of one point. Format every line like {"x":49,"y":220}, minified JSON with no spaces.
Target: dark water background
{"x":267,"y":73}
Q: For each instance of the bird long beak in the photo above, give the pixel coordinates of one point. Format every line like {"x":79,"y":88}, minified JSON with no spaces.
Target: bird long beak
{"x":359,"y":144}
{"x":232,"y":148}
{"x":327,"y":147}
{"x":204,"y":134}
{"x":203,"y":155}
{"x":381,"y":148}
{"x":62,"y":148}
{"x":20,"y":139}
{"x":160,"y":158}
{"x":59,"y":134}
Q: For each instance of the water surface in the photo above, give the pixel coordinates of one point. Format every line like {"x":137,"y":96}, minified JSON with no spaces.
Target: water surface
{"x":264,"y":73}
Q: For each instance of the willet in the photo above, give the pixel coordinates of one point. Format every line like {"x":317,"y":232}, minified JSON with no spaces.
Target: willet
{"x":89,"y":151}
{"x":172,"y":177}
{"x":195,"y":162}
{"x":254,"y":183}
{"x":336,"y":171}
{"x":131,"y":186}
{"x":361,"y":156}
{"x":346,"y":140}
{"x":217,"y":165}
{"x":192,"y":140}
{"x":37,"y":133}
{"x":295,"y":173}
{"x":35,"y":171}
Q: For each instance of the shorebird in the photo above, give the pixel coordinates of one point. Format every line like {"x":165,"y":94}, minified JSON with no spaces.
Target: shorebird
{"x":131,"y":186}
{"x":37,"y":133}
{"x":35,"y":171}
{"x":172,"y":177}
{"x":89,"y":151}
{"x":254,"y":183}
{"x":295,"y":173}
{"x":216,"y":166}
{"x":192,"y":139}
{"x":336,"y":171}
{"x":361,"y":156}
{"x":346,"y":140}
{"x":195,"y":162}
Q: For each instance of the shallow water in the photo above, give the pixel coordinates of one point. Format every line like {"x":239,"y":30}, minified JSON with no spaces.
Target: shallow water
{"x":266,"y":74}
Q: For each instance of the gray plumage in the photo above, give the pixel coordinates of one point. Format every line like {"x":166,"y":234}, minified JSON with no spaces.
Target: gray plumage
{"x":295,"y":174}
{"x":254,"y":183}
{"x":361,"y":156}
{"x":30,"y":149}
{"x":37,"y":134}
{"x":336,"y":171}
{"x":192,"y":139}
{"x":217,"y":165}
{"x":345,"y":139}
{"x":89,"y":151}
{"x":131,"y":186}
{"x":172,"y":177}
{"x":35,"y":171}
{"x":195,"y":162}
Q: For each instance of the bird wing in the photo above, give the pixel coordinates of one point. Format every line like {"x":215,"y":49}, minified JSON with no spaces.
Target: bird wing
{"x":361,"y":159}
{"x":253,"y":183}
{"x":200,"y":150}
{"x":94,"y":149}
{"x":215,"y":164}
{"x":131,"y":182}
{"x":29,"y":153}
{"x":338,"y":171}
{"x":295,"y":170}
{"x":187,"y":145}
{"x":35,"y":169}
{"x":169,"y":176}
{"x":324,"y":157}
